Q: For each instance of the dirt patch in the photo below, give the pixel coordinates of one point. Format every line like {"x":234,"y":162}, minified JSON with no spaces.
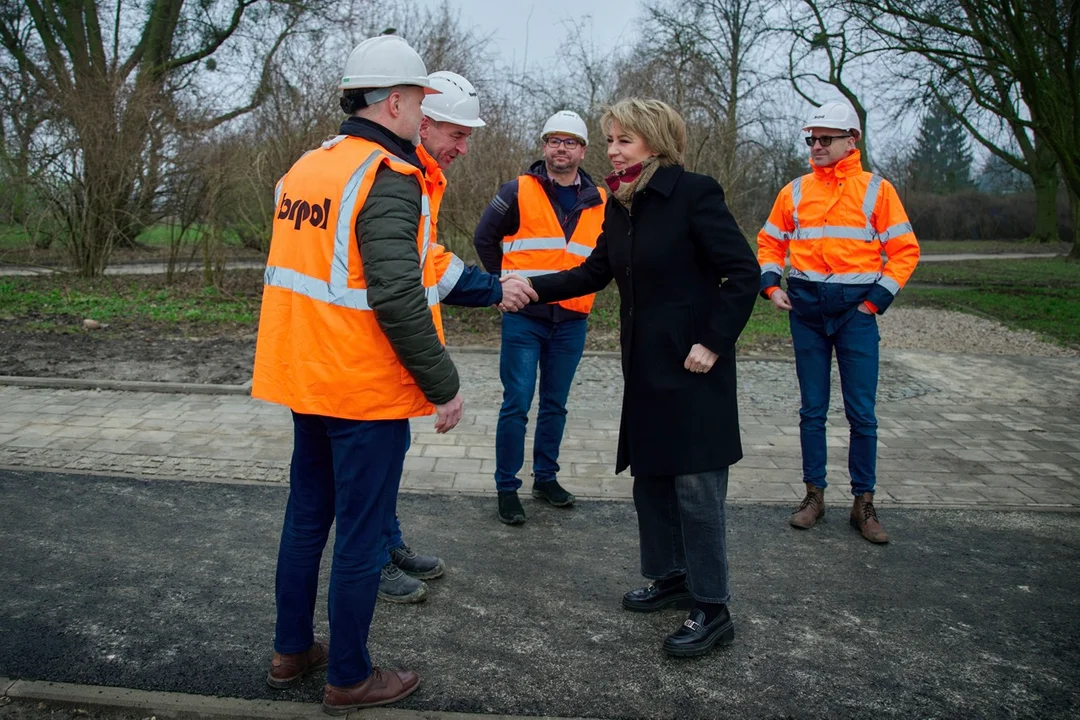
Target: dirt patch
{"x":123,"y":352}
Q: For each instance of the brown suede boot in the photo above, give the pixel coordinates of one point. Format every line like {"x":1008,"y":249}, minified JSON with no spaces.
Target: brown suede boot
{"x":864,"y":519}
{"x":287,"y":670}
{"x":810,"y":509}
{"x":382,"y":687}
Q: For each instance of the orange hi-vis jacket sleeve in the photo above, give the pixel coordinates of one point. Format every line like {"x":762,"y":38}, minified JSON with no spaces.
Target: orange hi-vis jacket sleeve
{"x":834,"y":224}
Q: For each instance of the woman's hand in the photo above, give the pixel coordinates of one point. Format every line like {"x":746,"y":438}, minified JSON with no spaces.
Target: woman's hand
{"x":700,"y":360}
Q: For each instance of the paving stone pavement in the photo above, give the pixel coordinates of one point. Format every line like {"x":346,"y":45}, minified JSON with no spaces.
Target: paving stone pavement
{"x":955,"y":430}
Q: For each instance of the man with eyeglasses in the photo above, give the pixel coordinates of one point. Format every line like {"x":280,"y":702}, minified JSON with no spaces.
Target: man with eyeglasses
{"x":833,"y":224}
{"x":542,"y":222}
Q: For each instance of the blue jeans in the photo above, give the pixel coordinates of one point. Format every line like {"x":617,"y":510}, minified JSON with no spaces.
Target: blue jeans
{"x":683,"y":530}
{"x":556,"y":348}
{"x":348,"y":471}
{"x":856,"y":344}
{"x":396,"y":540}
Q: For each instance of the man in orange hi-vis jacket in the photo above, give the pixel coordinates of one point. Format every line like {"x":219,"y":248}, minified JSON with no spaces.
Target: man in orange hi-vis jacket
{"x":834,"y":224}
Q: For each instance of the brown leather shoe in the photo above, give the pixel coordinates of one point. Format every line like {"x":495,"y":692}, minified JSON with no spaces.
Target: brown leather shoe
{"x":810,"y":509}
{"x":864,"y":519}
{"x":287,"y":670}
{"x":382,"y":687}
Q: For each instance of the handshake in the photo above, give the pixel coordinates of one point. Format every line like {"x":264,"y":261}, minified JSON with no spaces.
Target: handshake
{"x":517,"y":293}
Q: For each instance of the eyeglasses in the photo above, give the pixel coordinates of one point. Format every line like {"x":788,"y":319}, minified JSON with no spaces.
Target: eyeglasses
{"x":568,"y":143}
{"x":825,"y":140}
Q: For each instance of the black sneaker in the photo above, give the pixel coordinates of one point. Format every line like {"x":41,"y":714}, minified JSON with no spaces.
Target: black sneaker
{"x":553,"y":492}
{"x":397,"y":587}
{"x":510,"y":510}
{"x":421,"y":567}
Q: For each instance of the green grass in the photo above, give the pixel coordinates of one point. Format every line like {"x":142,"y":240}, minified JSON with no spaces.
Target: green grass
{"x":14,"y":237}
{"x":1038,"y":295}
{"x":990,"y":247}
{"x":56,"y":303}
{"x":1031,"y":273}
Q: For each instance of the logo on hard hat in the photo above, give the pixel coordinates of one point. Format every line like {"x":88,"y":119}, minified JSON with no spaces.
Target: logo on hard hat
{"x":300,"y":210}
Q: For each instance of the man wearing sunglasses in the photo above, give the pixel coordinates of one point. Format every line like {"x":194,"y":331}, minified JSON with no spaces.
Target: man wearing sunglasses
{"x":542,"y":222}
{"x":833,"y":225}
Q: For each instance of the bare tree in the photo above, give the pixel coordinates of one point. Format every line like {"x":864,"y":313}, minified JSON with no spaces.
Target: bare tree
{"x":1016,"y":58}
{"x":117,"y":74}
{"x":821,"y":28}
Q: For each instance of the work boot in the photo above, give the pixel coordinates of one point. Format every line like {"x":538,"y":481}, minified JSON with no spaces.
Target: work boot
{"x":288,"y":669}
{"x":381,"y":687}
{"x":397,"y":587}
{"x":553,"y":492}
{"x":421,"y":567}
{"x":864,"y":519}
{"x":810,"y":509}
{"x":510,"y":510}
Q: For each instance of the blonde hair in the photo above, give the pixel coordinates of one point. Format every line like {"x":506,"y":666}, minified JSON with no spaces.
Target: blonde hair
{"x":656,"y":122}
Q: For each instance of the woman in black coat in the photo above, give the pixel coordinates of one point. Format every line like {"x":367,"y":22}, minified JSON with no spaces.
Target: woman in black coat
{"x":687,"y":282}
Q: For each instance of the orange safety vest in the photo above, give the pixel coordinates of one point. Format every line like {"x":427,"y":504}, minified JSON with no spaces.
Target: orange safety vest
{"x":448,"y":266}
{"x":835,"y":222}
{"x":539,"y":247}
{"x":320,"y":349}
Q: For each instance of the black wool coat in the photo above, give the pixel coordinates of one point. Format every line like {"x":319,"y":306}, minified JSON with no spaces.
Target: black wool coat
{"x":686,"y":275}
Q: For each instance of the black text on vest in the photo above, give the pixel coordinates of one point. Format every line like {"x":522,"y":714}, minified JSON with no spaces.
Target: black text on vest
{"x":300,"y":210}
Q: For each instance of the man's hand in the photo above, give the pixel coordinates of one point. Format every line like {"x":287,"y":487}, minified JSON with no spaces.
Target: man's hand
{"x":780,"y":299}
{"x":449,"y":414}
{"x":864,"y":309}
{"x":517,"y":293}
{"x":701,"y":359}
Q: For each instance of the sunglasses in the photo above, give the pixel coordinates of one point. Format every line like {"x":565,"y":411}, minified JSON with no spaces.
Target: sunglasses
{"x":825,"y":140}
{"x":568,"y":143}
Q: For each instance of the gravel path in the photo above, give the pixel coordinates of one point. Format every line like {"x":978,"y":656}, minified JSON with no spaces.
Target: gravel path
{"x":951,"y":331}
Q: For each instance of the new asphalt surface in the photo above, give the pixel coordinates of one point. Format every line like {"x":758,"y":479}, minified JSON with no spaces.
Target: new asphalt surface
{"x":165,"y":585}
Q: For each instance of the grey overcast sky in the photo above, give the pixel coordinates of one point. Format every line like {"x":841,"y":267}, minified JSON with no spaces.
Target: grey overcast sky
{"x":517,"y":25}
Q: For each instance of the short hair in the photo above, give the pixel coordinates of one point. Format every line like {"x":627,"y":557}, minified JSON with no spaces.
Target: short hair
{"x":656,"y":122}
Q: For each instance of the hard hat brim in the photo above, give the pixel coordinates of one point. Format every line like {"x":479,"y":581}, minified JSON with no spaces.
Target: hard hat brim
{"x":433,"y":115}
{"x":363,"y":82}
{"x":545,"y":136}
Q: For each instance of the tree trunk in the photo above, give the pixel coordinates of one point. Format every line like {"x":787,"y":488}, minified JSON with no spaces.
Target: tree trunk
{"x":1074,"y":206}
{"x":1046,"y":192}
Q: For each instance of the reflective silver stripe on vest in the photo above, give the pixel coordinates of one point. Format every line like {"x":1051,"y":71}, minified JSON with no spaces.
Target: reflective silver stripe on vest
{"x":451,"y":276}
{"x":834,"y":231}
{"x":841,"y":278}
{"x":774,"y":232}
{"x":772,"y":267}
{"x":352,"y":298}
{"x":579,"y":249}
{"x":528,"y":273}
{"x":425,"y":217}
{"x":895,"y":231}
{"x":889,"y":284}
{"x":277,"y":193}
{"x":796,"y":198}
{"x":540,"y":243}
{"x":337,"y":291}
{"x":870,"y":201}
{"x":343,"y":231}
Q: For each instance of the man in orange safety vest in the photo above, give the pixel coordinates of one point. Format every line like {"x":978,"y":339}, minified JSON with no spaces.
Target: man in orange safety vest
{"x":833,"y":224}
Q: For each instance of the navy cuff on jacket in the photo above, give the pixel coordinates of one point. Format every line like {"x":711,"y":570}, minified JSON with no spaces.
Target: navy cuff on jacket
{"x":880,"y":297}
{"x":769,"y":279}
{"x":475,"y":288}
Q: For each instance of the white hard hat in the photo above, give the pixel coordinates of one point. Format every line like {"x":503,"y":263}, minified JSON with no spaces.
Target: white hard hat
{"x":456,"y":102}
{"x":836,"y":115}
{"x":566,"y":122}
{"x":383,"y":62}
